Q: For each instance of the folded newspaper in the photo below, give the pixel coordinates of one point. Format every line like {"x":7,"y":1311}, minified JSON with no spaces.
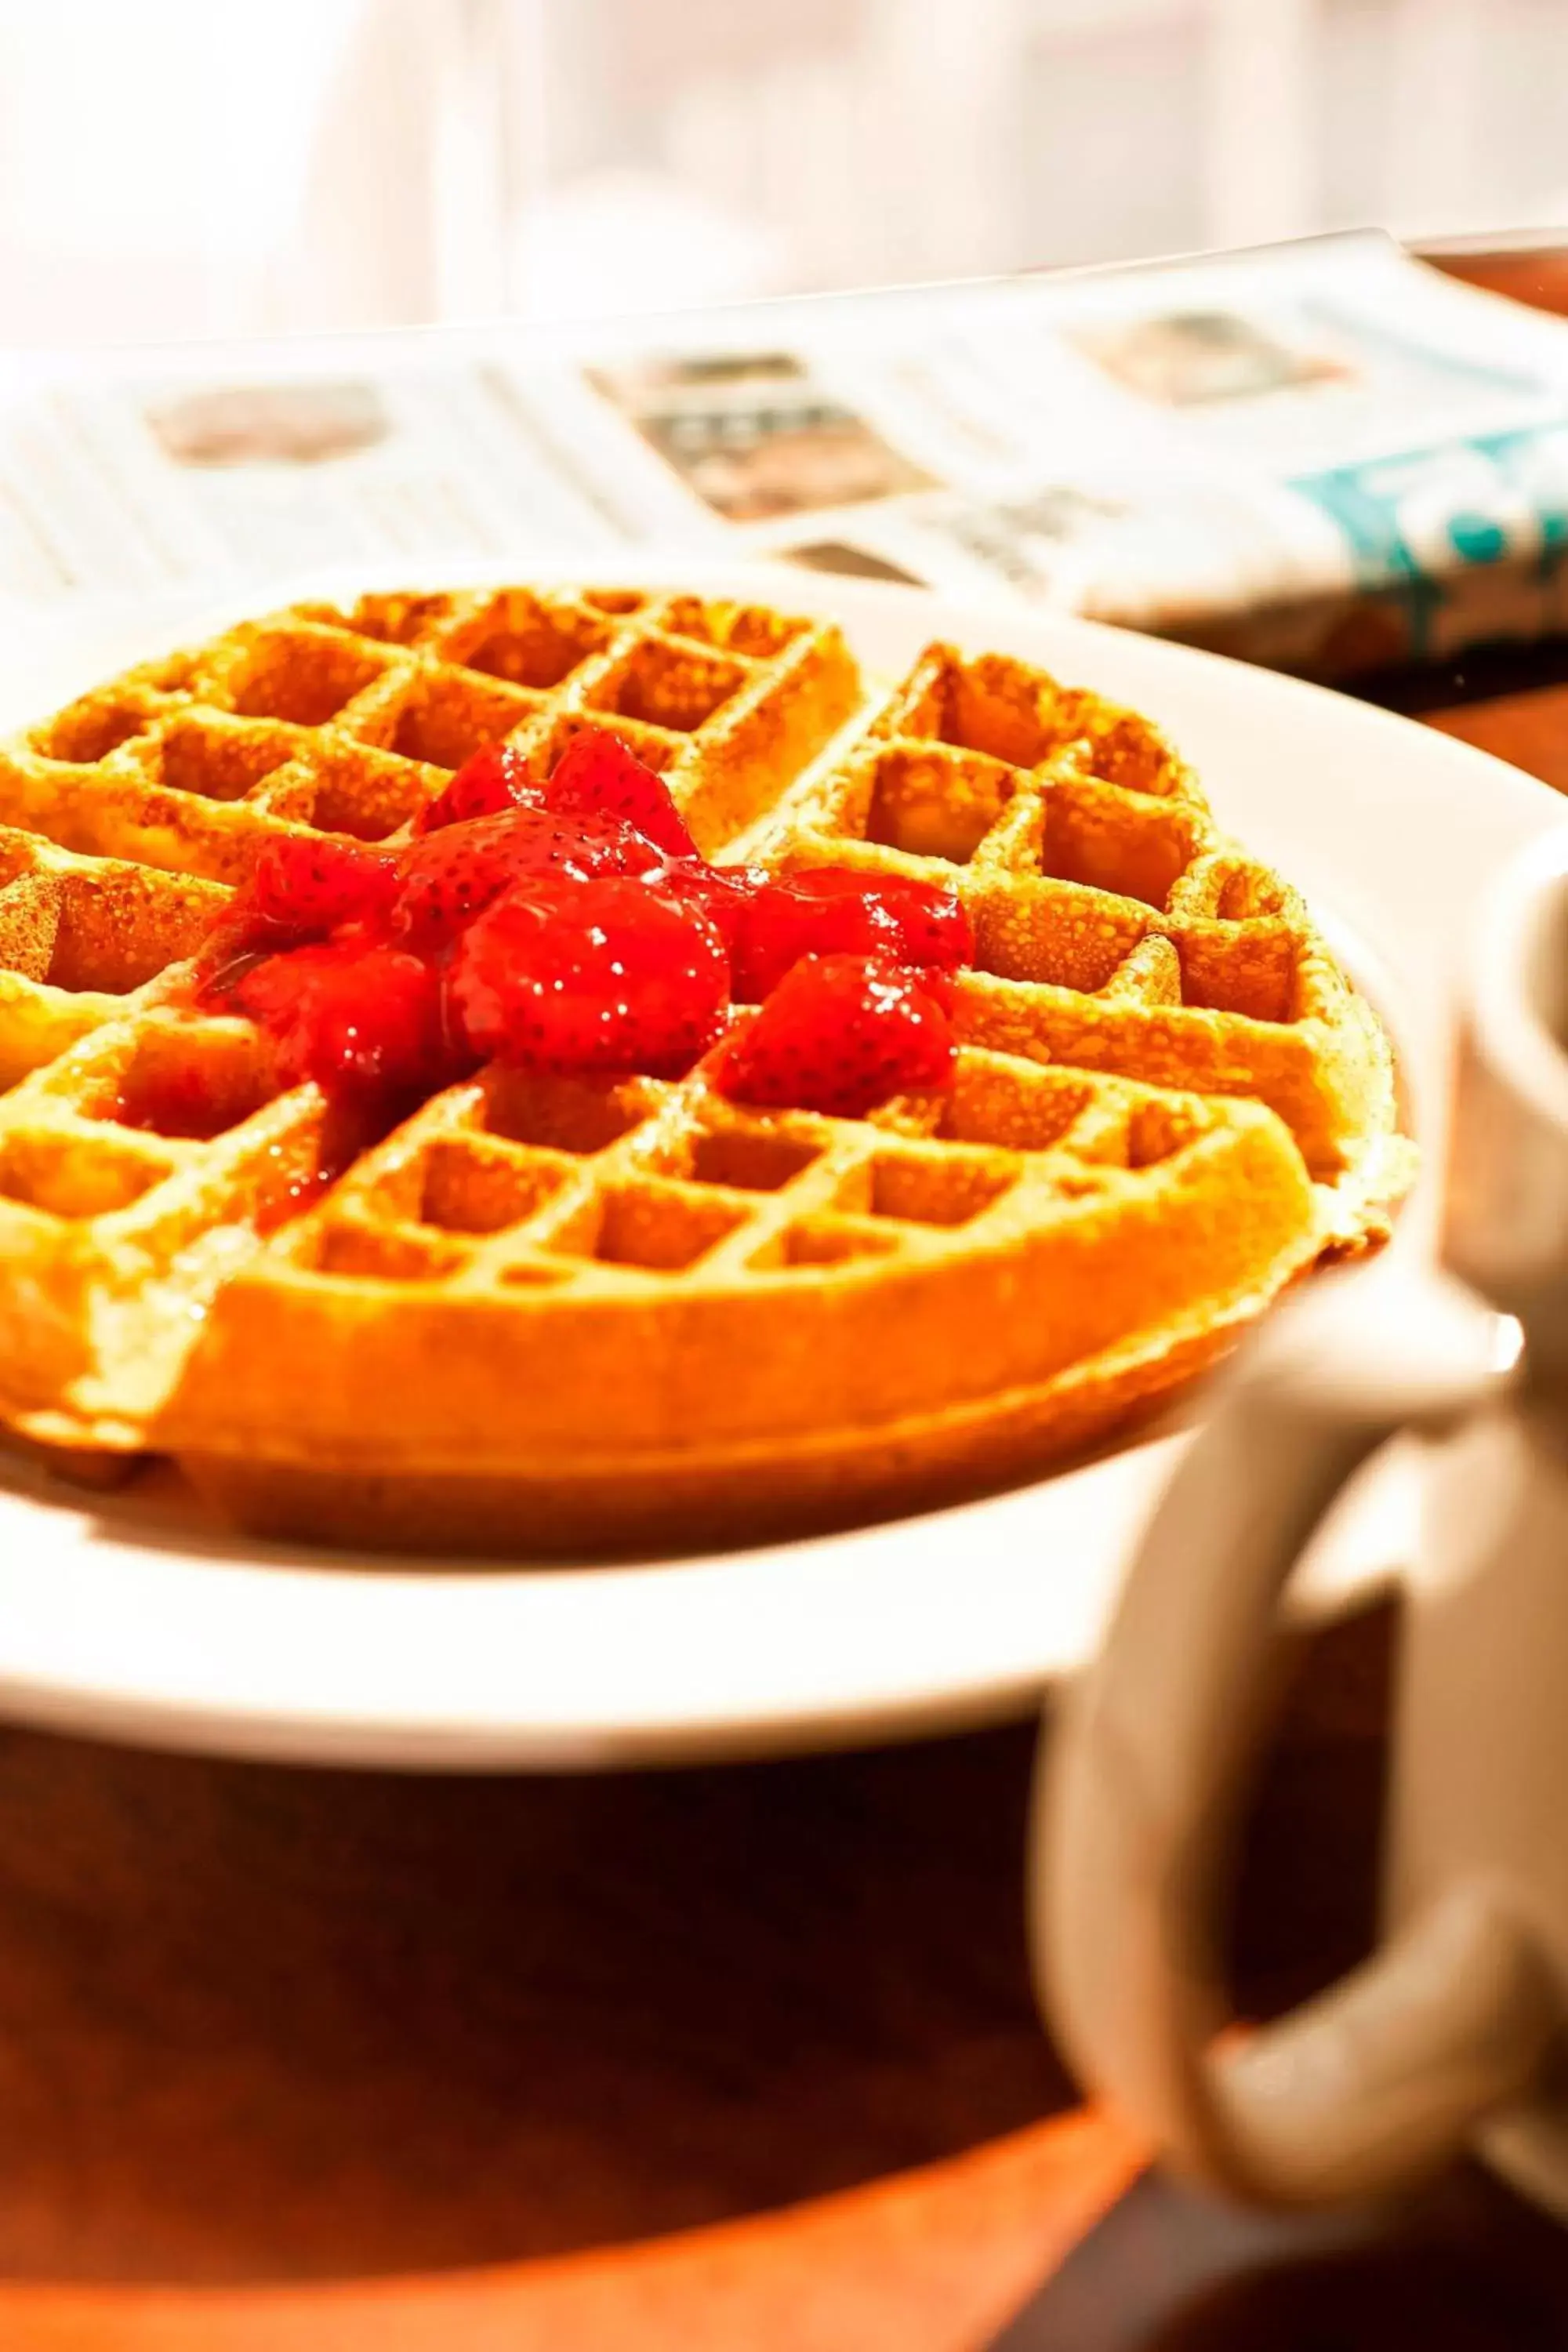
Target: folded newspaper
{"x":1325,"y":455}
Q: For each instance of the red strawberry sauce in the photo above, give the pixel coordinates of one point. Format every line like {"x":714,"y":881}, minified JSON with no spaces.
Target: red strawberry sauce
{"x":570,"y":926}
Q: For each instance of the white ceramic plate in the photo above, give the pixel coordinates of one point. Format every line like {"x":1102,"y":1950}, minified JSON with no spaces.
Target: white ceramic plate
{"x":132,"y":1616}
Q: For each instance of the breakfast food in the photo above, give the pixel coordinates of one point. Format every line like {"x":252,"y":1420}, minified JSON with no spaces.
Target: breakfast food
{"x":515,"y":1070}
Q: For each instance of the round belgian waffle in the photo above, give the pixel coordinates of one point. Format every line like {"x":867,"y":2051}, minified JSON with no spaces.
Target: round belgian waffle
{"x":545,"y":1313}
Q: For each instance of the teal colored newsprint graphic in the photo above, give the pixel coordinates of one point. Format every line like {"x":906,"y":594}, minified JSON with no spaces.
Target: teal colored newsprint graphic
{"x":1426,"y":525}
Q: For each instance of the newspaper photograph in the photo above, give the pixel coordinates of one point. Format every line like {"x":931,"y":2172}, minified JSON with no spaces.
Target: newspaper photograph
{"x":757,"y":435}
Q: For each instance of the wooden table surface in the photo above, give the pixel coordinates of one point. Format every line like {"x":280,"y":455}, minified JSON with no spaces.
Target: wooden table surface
{"x":298,"y":2062}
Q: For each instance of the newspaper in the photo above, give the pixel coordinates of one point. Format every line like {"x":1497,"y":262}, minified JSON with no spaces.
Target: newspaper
{"x":1324,"y":455}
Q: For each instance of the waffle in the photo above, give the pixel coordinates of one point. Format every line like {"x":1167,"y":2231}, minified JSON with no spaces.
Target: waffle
{"x":539,"y":1313}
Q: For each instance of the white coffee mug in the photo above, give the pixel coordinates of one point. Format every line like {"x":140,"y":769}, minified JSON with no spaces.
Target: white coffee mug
{"x":1452,"y":2034}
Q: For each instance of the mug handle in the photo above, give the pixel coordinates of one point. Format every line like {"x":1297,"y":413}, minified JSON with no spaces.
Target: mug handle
{"x":1386,"y":2073}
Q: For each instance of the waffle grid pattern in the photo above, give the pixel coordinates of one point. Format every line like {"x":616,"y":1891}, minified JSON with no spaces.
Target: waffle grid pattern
{"x":1116,"y":926}
{"x":315,"y":721}
{"x":84,"y":940}
{"x":543,"y":1183}
{"x":146,"y":1122}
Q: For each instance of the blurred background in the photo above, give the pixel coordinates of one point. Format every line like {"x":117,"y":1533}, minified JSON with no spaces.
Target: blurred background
{"x":180,"y":167}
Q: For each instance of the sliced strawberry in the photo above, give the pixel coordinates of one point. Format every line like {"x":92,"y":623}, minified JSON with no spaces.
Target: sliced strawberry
{"x":364,"y":1018}
{"x":722,"y":892}
{"x":840,"y":1034}
{"x":492,"y":782}
{"x":834,"y":910}
{"x":604,"y":977}
{"x":303,"y":886}
{"x":940,"y":986}
{"x":227,"y":955}
{"x":454,"y":875}
{"x":597,"y":772}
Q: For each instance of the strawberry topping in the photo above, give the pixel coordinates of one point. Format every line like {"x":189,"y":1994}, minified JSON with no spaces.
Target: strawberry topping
{"x":454,"y":875}
{"x":597,"y":775}
{"x":353,"y":1016}
{"x":572,"y":928}
{"x":304,"y":886}
{"x":606,"y":976}
{"x":492,"y":782}
{"x":834,"y":910}
{"x":724,"y":893}
{"x":840,"y":1034}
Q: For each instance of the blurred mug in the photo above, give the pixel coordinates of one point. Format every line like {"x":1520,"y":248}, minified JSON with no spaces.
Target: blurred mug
{"x":1451,"y":2034}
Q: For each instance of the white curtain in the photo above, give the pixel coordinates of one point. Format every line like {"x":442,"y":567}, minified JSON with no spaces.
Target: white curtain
{"x":199,"y":166}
